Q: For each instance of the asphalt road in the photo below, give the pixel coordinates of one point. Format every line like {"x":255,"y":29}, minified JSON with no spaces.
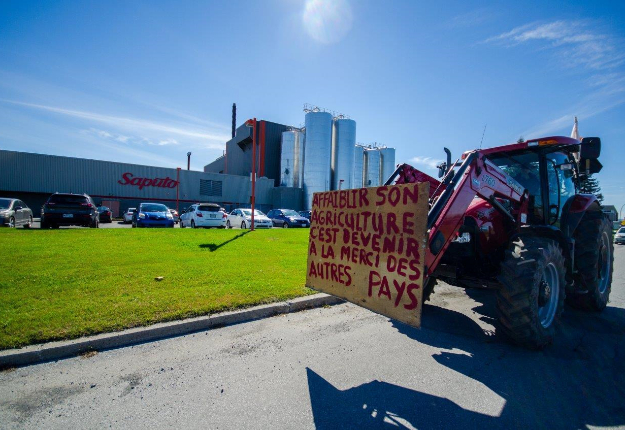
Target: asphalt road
{"x":342,"y":367}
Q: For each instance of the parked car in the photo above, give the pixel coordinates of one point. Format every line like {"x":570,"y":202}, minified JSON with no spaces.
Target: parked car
{"x":243,"y":218}
{"x":619,"y":237}
{"x":105,"y":214}
{"x":69,"y":209}
{"x":152,"y":215}
{"x":128,"y":215}
{"x":286,"y":218}
{"x":305,"y":214}
{"x":203,"y":215}
{"x":14,"y":213}
{"x":174,"y":213}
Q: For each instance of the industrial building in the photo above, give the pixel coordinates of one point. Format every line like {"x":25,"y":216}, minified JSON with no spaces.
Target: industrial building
{"x":33,"y":177}
{"x":321,"y":156}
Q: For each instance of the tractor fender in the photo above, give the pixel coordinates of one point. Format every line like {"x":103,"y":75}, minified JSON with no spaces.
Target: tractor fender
{"x":574,"y":209}
{"x":553,"y":233}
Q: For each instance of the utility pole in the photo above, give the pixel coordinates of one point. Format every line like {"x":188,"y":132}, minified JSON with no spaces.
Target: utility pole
{"x":252,"y":123}
{"x":177,"y":189}
{"x":188,"y":160}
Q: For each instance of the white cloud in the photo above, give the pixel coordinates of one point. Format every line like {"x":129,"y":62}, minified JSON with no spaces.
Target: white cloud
{"x":167,"y":142}
{"x":577,"y":44}
{"x":132,"y":124}
{"x":429,"y":162}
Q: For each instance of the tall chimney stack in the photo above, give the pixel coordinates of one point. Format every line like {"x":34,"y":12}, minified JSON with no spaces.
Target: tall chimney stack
{"x":234,"y":118}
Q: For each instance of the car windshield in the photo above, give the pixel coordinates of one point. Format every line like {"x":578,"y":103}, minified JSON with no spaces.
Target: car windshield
{"x":67,"y":199}
{"x":621,"y":230}
{"x":208,"y":208}
{"x":289,"y":212}
{"x":131,"y":210}
{"x":248,"y":212}
{"x":5,"y":203}
{"x":153,"y":207}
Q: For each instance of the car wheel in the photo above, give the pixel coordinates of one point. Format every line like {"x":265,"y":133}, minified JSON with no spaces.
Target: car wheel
{"x":228,"y":224}
{"x":30,"y":222}
{"x":192,"y":224}
{"x":11,"y":222}
{"x":243,"y":225}
{"x":285,"y":225}
{"x":54,"y":226}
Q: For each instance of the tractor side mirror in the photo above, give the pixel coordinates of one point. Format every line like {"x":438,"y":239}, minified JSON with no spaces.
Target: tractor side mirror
{"x":442,"y":169}
{"x":589,"y":154}
{"x":590,"y":148}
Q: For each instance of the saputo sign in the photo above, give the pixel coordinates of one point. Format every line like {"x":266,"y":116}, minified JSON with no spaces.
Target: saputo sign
{"x":130,"y":179}
{"x":367,"y":246}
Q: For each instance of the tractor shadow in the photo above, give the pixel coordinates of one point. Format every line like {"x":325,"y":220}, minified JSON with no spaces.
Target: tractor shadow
{"x":578,"y":381}
{"x":212,"y":247}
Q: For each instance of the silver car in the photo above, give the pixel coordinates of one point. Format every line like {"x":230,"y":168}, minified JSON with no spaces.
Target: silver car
{"x":619,"y":237}
{"x":15,"y":213}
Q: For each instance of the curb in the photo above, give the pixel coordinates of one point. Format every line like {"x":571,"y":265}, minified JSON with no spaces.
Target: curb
{"x":34,"y":354}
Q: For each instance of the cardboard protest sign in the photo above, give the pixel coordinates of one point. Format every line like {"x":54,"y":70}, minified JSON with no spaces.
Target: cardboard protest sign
{"x":367,"y":246}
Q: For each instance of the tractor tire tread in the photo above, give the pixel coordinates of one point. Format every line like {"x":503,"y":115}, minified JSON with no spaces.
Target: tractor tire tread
{"x":517,"y":299}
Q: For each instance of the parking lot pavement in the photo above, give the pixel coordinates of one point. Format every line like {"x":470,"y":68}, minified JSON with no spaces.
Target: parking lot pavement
{"x":342,"y":367}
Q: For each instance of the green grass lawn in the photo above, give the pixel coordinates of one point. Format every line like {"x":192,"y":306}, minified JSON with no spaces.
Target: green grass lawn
{"x":62,"y":284}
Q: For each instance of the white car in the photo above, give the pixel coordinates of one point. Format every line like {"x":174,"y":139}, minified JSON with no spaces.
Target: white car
{"x":128,"y":215}
{"x":203,"y":215}
{"x":243,"y":218}
{"x":619,"y":237}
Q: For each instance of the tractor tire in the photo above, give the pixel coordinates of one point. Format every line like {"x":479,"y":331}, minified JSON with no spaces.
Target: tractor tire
{"x":428,"y":289}
{"x":594,"y":261}
{"x":531,"y":298}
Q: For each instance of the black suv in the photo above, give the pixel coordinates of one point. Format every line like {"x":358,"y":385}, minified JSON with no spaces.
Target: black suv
{"x":69,"y":209}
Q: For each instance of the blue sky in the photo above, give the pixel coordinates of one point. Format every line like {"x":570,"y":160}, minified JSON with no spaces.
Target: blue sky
{"x":145,"y":82}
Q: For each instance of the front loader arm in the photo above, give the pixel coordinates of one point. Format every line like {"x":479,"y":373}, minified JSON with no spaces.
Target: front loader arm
{"x":476,"y":176}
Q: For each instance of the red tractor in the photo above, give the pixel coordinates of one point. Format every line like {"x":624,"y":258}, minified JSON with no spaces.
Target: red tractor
{"x":511,"y":219}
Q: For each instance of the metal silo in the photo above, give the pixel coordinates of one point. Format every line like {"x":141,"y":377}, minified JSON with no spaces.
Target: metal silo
{"x":300,"y":144}
{"x":387,"y":162}
{"x":359,"y":166}
{"x":317,"y":154}
{"x":372,"y":167}
{"x":343,"y":153}
{"x":287,"y":159}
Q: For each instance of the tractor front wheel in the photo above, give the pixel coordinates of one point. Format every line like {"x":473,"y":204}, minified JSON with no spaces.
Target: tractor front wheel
{"x":428,"y":288}
{"x":531,"y":297}
{"x":594,"y":260}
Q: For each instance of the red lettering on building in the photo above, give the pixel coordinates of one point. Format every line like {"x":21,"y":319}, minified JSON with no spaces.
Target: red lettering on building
{"x":129,"y":179}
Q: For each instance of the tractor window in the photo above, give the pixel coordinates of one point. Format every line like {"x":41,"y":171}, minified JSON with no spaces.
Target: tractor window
{"x":561,"y":183}
{"x":525,"y":169}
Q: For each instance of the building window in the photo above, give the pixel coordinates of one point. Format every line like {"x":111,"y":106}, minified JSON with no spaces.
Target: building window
{"x":210,"y":188}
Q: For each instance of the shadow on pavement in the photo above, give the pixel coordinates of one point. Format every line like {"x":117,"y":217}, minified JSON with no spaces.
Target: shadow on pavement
{"x":212,"y":247}
{"x":577,"y":382}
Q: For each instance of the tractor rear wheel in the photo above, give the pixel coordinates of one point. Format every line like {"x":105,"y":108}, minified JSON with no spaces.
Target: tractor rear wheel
{"x":594,"y":261}
{"x":531,"y":297}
